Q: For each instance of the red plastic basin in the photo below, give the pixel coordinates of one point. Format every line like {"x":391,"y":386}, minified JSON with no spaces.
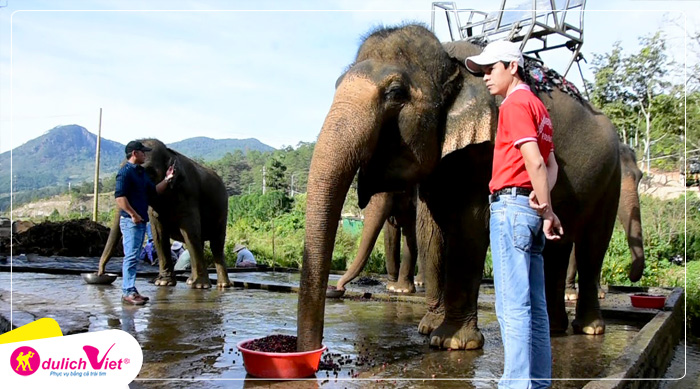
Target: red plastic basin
{"x":643,"y":300}
{"x":280,"y":365}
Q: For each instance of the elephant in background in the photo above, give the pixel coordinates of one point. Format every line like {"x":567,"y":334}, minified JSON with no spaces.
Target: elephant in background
{"x":193,"y":210}
{"x":407,"y":113}
{"x":396,"y":211}
{"x":629,"y":215}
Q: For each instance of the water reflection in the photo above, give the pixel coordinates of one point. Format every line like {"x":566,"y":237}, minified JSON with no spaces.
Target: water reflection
{"x":193,"y":333}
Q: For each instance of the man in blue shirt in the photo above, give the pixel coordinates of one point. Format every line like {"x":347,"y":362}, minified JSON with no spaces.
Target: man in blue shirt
{"x":132,"y":193}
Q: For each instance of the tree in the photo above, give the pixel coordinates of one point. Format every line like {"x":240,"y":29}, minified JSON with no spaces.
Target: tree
{"x":627,"y":88}
{"x":646,"y":71}
{"x":275,"y":174}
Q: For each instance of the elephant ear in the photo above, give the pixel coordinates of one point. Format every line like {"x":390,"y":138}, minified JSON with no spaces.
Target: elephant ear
{"x":473,"y":116}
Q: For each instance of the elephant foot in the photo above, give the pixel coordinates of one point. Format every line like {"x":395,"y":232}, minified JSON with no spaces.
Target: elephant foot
{"x":165,"y":280}
{"x":591,"y":326}
{"x":430,"y":322}
{"x":401,"y":287}
{"x":570,"y":294}
{"x":457,"y":336}
{"x":419,"y":280}
{"x":199,"y":283}
{"x":224,"y":284}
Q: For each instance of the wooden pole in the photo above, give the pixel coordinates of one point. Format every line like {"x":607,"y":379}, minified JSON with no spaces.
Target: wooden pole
{"x":97,"y":169}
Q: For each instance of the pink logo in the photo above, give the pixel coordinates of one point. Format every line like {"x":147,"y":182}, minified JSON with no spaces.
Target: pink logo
{"x":92,"y":354}
{"x":25,"y":361}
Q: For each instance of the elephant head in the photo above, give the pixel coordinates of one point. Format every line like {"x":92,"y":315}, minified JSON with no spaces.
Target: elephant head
{"x":396,"y":98}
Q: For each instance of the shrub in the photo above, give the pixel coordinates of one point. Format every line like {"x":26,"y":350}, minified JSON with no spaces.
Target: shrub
{"x":693,"y":295}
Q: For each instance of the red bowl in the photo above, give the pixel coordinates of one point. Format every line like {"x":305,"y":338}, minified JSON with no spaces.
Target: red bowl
{"x":280,"y":365}
{"x":643,"y":300}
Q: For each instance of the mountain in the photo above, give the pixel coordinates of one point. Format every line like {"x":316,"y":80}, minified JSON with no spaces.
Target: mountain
{"x":67,"y":154}
{"x":210,"y":149}
{"x":61,"y":155}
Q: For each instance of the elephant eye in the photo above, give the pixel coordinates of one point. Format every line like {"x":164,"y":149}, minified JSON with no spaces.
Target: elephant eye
{"x":396,"y":93}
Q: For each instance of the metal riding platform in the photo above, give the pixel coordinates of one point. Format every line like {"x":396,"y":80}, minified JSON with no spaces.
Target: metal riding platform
{"x":551,"y":24}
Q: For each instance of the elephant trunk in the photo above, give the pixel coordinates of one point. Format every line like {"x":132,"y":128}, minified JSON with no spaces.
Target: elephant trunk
{"x":376,"y":213}
{"x":115,"y":234}
{"x":629,"y":215}
{"x":346,"y":141}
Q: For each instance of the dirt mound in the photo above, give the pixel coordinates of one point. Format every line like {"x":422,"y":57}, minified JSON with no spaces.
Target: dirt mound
{"x":72,"y":238}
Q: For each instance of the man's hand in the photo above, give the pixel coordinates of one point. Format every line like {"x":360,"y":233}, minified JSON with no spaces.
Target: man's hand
{"x":551,"y":226}
{"x":170,"y":173}
{"x":136,"y":218}
{"x":534,"y":204}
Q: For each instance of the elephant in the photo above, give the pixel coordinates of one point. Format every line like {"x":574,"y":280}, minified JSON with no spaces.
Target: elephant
{"x":407,"y":112}
{"x":629,"y":215}
{"x":396,"y":211}
{"x":193,"y":210}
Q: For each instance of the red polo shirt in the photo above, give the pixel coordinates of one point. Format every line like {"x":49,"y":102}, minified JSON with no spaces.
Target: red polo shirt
{"x":522,"y":118}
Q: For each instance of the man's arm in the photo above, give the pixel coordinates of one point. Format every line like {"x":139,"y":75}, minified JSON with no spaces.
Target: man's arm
{"x":539,"y":176}
{"x":123,"y":203}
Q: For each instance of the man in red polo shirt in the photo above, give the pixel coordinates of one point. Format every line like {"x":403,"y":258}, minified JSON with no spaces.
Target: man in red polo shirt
{"x":524,"y":171}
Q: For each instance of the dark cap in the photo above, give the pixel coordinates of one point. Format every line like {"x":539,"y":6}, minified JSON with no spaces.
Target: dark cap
{"x":135,"y":145}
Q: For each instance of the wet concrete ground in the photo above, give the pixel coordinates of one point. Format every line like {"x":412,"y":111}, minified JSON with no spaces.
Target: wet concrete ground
{"x":189,"y":336}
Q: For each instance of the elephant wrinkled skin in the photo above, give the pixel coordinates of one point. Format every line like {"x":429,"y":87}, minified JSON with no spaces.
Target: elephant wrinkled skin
{"x":408,"y":113}
{"x":193,"y":210}
{"x":629,"y":215}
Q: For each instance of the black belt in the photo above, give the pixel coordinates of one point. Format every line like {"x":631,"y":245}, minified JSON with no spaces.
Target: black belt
{"x":513,"y":191}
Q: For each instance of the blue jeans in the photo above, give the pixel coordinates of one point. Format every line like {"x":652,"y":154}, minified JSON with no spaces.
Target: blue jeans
{"x":133,"y":240}
{"x":517,"y":241}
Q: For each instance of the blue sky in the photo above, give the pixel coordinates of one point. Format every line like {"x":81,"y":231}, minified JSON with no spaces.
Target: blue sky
{"x":202,"y":71}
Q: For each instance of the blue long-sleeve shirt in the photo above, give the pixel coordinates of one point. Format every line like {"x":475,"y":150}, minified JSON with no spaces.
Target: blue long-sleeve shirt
{"x":134,"y":184}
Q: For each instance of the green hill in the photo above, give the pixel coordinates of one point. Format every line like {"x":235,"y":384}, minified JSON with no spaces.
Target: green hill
{"x":61,"y":155}
{"x":45,"y":165}
{"x":209,"y":149}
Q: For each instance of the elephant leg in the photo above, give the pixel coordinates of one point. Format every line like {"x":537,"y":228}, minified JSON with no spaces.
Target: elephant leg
{"x":217,"y":250}
{"x":199,"y":278}
{"x":376,"y":213}
{"x":571,"y":294}
{"x":430,"y":246}
{"x":555,"y":266}
{"x":419,"y":280}
{"x":161,"y":238}
{"x":392,"y":251}
{"x":464,"y":267}
{"x":113,"y":240}
{"x":404,"y":283}
{"x":590,"y":252}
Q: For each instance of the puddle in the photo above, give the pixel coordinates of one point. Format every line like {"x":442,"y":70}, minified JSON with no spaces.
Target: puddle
{"x":191,"y":335}
{"x":685,"y":362}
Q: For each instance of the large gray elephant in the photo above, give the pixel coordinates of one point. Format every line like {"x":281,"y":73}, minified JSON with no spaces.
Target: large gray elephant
{"x":396,"y":211}
{"x":193,"y":211}
{"x":405,"y":113}
{"x":629,"y":215}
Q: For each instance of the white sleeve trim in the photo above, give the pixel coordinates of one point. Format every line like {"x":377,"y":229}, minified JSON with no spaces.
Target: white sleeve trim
{"x":524,"y":140}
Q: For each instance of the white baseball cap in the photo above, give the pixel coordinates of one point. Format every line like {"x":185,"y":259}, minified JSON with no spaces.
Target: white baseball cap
{"x":495,"y":52}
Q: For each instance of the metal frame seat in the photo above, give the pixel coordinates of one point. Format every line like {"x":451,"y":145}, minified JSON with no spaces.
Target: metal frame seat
{"x":520,"y":21}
